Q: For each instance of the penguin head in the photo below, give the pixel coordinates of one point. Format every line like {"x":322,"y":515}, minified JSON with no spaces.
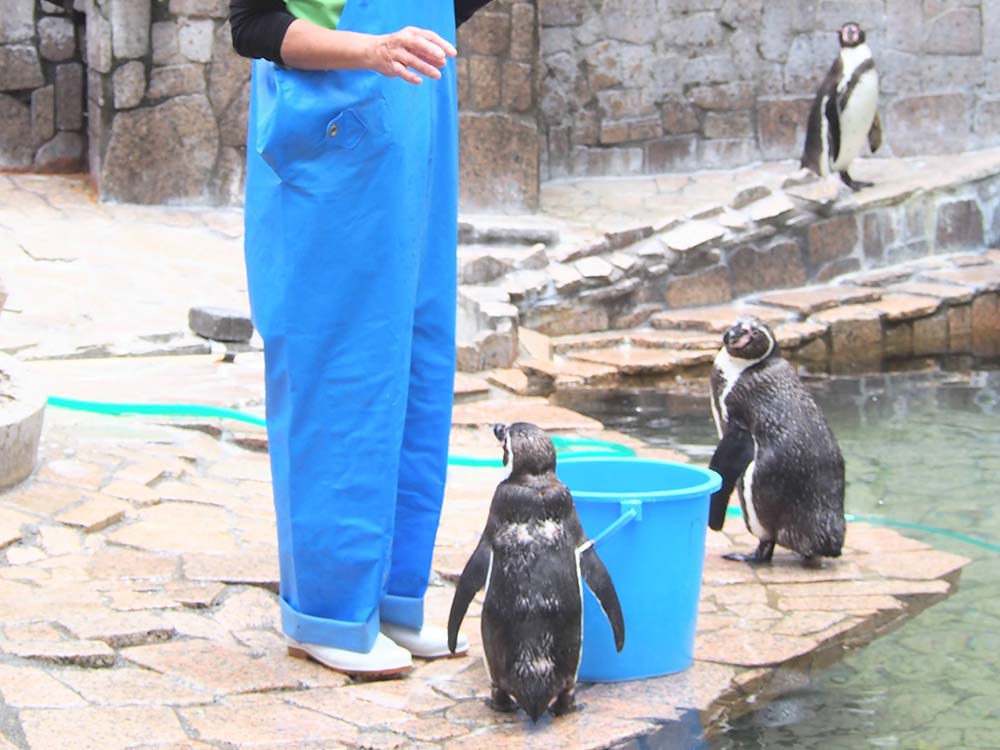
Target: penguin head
{"x":526,"y":448}
{"x":851,"y":35}
{"x":749,"y":338}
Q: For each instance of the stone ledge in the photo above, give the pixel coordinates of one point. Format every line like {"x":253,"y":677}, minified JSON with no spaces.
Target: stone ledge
{"x":948,"y":310}
{"x":22,"y":408}
{"x":709,"y":254}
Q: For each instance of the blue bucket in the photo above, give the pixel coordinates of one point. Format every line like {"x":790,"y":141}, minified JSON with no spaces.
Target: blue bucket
{"x":648,"y":519}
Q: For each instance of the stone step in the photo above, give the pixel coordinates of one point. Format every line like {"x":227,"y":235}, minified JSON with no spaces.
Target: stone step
{"x":482,"y":264}
{"x":949,"y":306}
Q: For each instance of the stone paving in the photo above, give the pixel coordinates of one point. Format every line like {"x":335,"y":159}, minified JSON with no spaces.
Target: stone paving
{"x":138,"y":578}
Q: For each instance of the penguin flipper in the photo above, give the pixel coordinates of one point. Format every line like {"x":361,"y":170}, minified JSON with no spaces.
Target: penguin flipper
{"x":832,"y":115}
{"x":473,"y":578}
{"x":875,"y":134}
{"x":732,"y":456}
{"x":813,"y":150}
{"x":599,"y":582}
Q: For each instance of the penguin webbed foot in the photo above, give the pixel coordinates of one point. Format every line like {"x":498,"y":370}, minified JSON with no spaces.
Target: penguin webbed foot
{"x":853,"y":184}
{"x":501,"y":701}
{"x":763,"y":554}
{"x":565,"y":703}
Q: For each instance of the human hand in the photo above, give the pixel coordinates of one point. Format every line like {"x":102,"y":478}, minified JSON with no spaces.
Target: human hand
{"x":399,"y":54}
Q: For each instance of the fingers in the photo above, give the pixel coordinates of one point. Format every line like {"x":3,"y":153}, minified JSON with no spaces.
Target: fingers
{"x":412,"y":51}
{"x":435,"y":40}
{"x":425,"y":69}
{"x":401,"y":71}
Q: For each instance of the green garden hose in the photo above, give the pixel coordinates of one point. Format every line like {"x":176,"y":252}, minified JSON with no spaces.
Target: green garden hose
{"x":565,"y":446}
{"x":155,"y":410}
{"x":568,"y":446}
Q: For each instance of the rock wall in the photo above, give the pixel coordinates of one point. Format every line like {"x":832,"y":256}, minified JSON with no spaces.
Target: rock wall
{"x":547,"y":89}
{"x":167,"y":100}
{"x":41,"y":87}
{"x":148,"y":96}
{"x":646,"y":86}
{"x":499,"y":107}
{"x":162,"y":80}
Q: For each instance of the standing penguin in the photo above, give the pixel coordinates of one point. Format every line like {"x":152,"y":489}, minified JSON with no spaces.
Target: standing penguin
{"x":776,"y":448}
{"x":845,"y":110}
{"x":533,"y":558}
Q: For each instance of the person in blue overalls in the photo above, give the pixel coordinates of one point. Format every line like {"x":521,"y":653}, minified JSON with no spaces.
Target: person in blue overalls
{"x":351,"y":230}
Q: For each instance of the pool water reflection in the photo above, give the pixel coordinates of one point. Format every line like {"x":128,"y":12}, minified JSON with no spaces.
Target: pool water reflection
{"x":921,"y":448}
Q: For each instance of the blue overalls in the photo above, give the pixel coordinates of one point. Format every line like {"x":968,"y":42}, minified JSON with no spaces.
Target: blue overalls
{"x":351,"y":231}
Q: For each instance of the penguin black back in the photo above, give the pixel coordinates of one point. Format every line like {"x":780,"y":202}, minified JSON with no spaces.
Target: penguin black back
{"x":533,"y":558}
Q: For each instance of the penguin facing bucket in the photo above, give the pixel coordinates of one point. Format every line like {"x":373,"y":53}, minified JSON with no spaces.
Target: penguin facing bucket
{"x":533,"y":559}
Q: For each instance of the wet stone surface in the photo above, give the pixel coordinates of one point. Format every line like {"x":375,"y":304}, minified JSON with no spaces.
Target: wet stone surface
{"x":138,"y":569}
{"x":135,"y":622}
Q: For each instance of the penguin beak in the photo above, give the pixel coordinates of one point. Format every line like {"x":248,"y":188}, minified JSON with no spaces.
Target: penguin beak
{"x":500,"y":430}
{"x":742,"y":341}
{"x":737,"y":337}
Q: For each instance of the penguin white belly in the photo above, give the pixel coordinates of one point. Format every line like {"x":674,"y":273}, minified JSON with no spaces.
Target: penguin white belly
{"x":856,"y":119}
{"x":716,"y":416}
{"x":486,"y":591}
{"x":753,"y":522}
{"x":579,"y":580}
{"x":729,"y":369}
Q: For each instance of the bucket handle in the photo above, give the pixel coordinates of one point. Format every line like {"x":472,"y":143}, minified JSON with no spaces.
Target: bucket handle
{"x":629,"y":510}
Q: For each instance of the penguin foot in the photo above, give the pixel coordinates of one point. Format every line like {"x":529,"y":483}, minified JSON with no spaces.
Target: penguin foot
{"x":763,"y":554}
{"x":853,"y":184}
{"x":747,"y":557}
{"x":565,"y":703}
{"x":501,"y":701}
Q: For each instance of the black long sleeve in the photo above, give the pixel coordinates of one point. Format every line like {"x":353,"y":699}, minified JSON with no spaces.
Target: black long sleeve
{"x":465,"y":8}
{"x":259,"y":26}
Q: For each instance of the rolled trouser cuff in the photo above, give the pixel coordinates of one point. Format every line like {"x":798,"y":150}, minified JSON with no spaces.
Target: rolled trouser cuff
{"x":352,"y":636}
{"x":407,"y":611}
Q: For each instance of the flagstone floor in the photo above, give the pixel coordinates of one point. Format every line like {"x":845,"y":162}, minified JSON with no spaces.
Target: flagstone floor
{"x":138,"y":571}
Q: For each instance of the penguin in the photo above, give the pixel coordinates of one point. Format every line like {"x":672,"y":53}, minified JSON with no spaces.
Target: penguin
{"x":533,"y":559}
{"x":844,"y":111}
{"x":776,"y":448}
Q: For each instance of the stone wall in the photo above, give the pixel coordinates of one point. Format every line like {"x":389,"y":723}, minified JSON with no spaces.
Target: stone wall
{"x":167,"y":100}
{"x":41,"y":87}
{"x":162,"y":82}
{"x":499,"y":107}
{"x":547,"y":89}
{"x":145,"y":94}
{"x":646,"y":86}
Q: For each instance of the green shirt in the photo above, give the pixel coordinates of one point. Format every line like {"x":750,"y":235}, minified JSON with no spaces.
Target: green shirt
{"x":324,"y":13}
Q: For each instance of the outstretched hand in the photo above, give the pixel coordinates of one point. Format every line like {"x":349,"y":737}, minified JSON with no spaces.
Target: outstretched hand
{"x":409,"y":52}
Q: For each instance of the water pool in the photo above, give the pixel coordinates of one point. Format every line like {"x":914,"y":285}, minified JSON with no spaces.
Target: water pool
{"x":922,"y":448}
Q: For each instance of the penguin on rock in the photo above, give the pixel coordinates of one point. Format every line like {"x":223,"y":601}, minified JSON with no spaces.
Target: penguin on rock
{"x":533,"y":559}
{"x":776,"y":448}
{"x":845,"y":111}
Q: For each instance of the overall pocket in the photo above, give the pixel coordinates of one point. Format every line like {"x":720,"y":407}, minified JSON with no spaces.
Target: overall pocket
{"x":316,"y":127}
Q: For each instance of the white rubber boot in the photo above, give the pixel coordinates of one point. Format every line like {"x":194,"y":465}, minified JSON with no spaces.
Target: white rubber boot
{"x":386,"y":659}
{"x":430,"y":642}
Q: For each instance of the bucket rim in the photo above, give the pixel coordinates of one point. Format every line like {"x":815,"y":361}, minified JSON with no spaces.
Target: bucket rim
{"x":712,"y":480}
